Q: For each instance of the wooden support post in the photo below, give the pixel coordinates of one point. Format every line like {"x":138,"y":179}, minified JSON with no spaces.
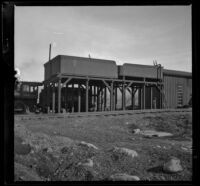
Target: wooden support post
{"x":86,"y":96}
{"x":113,"y":101}
{"x":144,"y":94}
{"x":132,"y":97}
{"x":79,"y":98}
{"x":53,"y":98}
{"x":72,"y":97}
{"x":116,"y":98}
{"x":105,"y":98}
{"x":102,"y":99}
{"x":48,"y":98}
{"x":141,"y":102}
{"x":123,"y":97}
{"x":59,"y":95}
{"x":97,"y":98}
{"x":111,"y":96}
{"x":65,"y":97}
{"x":151,"y":97}
{"x":160,"y":97}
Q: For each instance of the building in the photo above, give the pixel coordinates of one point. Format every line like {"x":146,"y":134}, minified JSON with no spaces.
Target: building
{"x":177,"y":88}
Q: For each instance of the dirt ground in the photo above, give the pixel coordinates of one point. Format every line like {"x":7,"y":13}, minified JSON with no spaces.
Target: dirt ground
{"x":55,"y":150}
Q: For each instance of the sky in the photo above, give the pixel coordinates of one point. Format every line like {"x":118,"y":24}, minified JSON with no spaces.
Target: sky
{"x":125,"y":34}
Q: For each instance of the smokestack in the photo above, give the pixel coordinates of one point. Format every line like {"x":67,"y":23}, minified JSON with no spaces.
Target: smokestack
{"x":50,"y":52}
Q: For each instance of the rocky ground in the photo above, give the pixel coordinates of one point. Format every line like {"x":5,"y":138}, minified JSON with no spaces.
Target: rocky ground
{"x":149,"y":147}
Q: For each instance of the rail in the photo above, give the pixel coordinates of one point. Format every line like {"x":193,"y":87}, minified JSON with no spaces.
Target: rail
{"x":95,"y":114}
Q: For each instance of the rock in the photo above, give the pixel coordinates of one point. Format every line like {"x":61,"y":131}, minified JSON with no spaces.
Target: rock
{"x":20,"y":147}
{"x":136,"y":131}
{"x":88,"y":145}
{"x":152,"y":133}
{"x":172,"y":166}
{"x":123,"y":177}
{"x":87,"y":163}
{"x":48,"y":150}
{"x":129,"y":152}
{"x":23,"y":173}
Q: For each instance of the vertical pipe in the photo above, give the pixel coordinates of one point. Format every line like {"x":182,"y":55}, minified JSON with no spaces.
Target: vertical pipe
{"x":59,"y":95}
{"x":86,"y":95}
{"x":79,"y":98}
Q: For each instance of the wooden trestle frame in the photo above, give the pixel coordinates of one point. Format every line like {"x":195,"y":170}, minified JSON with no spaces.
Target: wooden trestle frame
{"x":96,"y":89}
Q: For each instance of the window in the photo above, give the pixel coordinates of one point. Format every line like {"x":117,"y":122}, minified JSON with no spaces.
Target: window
{"x":179,"y":95}
{"x":25,"y":88}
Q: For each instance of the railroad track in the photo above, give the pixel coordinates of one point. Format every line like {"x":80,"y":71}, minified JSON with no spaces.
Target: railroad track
{"x":95,"y":114}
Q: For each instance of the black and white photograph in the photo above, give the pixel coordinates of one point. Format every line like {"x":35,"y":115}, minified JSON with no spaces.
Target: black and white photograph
{"x":103,"y":93}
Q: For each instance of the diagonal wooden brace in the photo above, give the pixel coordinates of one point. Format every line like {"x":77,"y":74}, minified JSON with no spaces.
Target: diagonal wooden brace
{"x":67,"y":81}
{"x":109,"y":87}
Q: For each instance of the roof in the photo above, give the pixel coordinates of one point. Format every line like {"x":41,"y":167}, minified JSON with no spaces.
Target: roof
{"x":77,"y":57}
{"x":35,"y":83}
{"x":177,"y":73}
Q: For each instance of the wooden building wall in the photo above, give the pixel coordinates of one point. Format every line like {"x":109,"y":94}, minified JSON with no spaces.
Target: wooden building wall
{"x":171,"y":90}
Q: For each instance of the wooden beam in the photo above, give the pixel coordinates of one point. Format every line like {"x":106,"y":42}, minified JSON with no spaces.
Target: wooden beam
{"x":67,"y":81}
{"x":59,"y":95}
{"x":106,"y":84}
{"x":129,"y":90}
{"x":130,"y":83}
